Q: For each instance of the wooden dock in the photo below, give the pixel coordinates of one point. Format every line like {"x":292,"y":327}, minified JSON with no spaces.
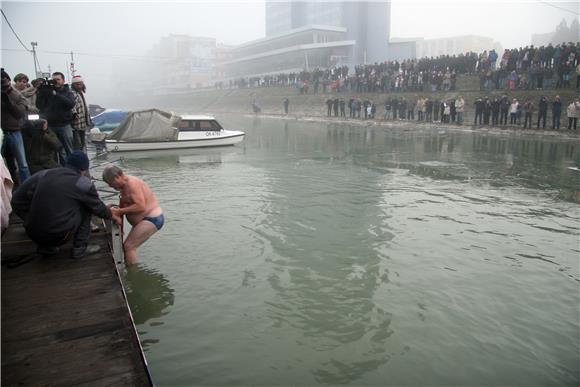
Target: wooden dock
{"x":66,"y":322}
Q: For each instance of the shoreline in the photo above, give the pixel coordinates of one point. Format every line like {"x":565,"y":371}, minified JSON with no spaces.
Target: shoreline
{"x":511,"y":131}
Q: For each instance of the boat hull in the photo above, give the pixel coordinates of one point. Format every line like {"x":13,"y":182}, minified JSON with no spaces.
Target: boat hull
{"x":185,"y":141}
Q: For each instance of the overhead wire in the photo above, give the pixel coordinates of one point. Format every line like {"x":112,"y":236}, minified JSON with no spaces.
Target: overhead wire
{"x":14,"y":32}
{"x":560,"y":8}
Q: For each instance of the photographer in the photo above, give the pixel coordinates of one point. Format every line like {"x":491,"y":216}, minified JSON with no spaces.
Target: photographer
{"x":13,"y":115}
{"x":40,"y":145}
{"x":55,"y":102}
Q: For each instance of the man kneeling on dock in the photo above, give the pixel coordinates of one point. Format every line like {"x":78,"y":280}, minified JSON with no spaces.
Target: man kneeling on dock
{"x":139,"y":204}
{"x":56,"y":204}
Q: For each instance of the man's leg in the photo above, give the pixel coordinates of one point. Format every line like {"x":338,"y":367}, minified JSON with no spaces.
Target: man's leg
{"x":16,"y":145}
{"x":81,"y":237}
{"x":138,"y":235}
{"x":65,"y":136}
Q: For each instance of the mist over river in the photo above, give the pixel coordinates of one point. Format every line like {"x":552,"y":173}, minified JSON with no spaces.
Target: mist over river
{"x":326,"y":254}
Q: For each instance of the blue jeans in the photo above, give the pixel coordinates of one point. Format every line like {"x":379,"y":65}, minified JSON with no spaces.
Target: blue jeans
{"x":13,"y":149}
{"x":460,"y":118}
{"x":65,"y":136}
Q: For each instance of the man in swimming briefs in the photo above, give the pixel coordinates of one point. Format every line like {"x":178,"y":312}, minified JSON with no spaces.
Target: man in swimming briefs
{"x":139,"y":205}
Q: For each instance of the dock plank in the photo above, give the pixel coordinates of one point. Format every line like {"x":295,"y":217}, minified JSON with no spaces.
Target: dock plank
{"x":65,"y":322}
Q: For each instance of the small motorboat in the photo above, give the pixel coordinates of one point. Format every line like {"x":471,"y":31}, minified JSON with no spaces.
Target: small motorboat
{"x":155,"y":129}
{"x":105,"y":122}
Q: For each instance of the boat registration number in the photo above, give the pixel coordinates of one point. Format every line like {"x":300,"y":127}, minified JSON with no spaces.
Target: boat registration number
{"x":212,"y":133}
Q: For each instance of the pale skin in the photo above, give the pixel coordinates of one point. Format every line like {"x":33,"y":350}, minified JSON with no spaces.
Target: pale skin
{"x":137,"y":201}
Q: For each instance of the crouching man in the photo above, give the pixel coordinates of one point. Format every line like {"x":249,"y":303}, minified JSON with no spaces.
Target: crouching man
{"x":139,"y":204}
{"x":56,"y":204}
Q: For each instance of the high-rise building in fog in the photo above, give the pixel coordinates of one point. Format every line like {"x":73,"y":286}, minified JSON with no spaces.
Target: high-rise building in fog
{"x":366,"y":22}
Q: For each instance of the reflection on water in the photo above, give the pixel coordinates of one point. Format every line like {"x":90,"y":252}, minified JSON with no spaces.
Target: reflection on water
{"x":331,"y":254}
{"x":149,"y":294}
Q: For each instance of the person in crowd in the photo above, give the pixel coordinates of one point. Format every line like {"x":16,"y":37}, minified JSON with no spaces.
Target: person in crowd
{"x":528,"y":113}
{"x":329,"y":103}
{"x":387,"y":106}
{"x":40,"y":145}
{"x":495,"y":107}
{"x":56,"y":102}
{"x":479,"y":104}
{"x":436,"y":105}
{"x":286,"y":103}
{"x":504,"y":106}
{"x":139,"y":205}
{"x":460,"y":109}
{"x":452,"y":110}
{"x":486,"y":110}
{"x":27,"y":90}
{"x":13,"y":115}
{"x":335,"y":104}
{"x":428,"y":110}
{"x":446,"y":112}
{"x":56,"y":205}
{"x":556,"y":112}
{"x":342,"y":104}
{"x":573,"y":111}
{"x":6,"y":185}
{"x":81,"y":117}
{"x":542,"y":112}
{"x":514,"y":112}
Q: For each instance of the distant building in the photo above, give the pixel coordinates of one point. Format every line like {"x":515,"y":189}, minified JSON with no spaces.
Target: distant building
{"x":366,"y":22}
{"x":562,"y":34}
{"x":456,"y":45}
{"x":308,"y":34}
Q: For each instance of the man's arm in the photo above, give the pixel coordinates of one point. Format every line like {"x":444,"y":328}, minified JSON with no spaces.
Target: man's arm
{"x":67,"y":99}
{"x":137,"y":198}
{"x":90,"y":198}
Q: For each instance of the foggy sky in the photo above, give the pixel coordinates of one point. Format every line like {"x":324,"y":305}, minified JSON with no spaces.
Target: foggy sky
{"x":97,"y":32}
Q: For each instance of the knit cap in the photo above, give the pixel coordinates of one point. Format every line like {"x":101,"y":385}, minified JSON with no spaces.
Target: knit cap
{"x":78,"y":160}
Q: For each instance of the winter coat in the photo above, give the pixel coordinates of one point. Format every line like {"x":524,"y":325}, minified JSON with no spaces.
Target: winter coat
{"x":39,"y":146}
{"x":13,"y":110}
{"x":56,"y":105}
{"x":572,"y":110}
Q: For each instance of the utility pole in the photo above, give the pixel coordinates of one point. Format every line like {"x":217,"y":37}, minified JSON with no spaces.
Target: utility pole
{"x":72,"y":65}
{"x":36,"y":73}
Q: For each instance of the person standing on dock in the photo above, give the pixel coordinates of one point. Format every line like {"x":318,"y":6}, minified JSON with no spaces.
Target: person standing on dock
{"x":56,"y":204}
{"x":81,"y":117}
{"x":286,"y":103}
{"x":139,"y":204}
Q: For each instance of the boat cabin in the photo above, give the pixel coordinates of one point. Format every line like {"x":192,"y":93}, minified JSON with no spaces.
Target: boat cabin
{"x":199,"y":124}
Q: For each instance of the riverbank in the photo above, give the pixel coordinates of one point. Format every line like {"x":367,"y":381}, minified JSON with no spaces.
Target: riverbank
{"x":270,"y":100}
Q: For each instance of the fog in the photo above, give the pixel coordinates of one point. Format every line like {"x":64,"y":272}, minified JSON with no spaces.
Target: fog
{"x":99,"y":34}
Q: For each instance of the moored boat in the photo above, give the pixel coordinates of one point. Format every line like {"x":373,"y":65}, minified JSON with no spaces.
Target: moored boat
{"x":155,"y":129}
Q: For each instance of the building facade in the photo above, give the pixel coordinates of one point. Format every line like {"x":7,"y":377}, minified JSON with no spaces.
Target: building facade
{"x":366,"y":22}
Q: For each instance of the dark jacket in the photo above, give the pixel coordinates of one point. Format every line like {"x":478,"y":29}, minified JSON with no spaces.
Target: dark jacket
{"x":56,"y":105}
{"x":557,"y":107}
{"x":13,"y":110}
{"x":39,"y":146}
{"x":52,"y":202}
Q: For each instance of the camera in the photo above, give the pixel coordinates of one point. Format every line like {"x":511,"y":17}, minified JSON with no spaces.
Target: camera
{"x":46,"y":83}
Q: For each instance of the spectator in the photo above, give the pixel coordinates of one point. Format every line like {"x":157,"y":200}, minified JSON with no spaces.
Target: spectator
{"x":286,"y":102}
{"x":504,"y":105}
{"x":556,"y":112}
{"x":28,"y":91}
{"x":460,"y":109}
{"x":40,"y":145}
{"x":6,"y":185}
{"x":55,"y":103}
{"x":13,"y":115}
{"x":81,"y":117}
{"x":573,"y":111}
{"x":528,"y":112}
{"x":542,"y":112}
{"x":57,"y":204}
{"x":478,"y":111}
{"x":514,"y":112}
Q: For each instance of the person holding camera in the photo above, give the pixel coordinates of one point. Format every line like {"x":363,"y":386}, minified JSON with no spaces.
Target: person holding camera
{"x":13,"y":115}
{"x":40,"y":145}
{"x":55,"y":101}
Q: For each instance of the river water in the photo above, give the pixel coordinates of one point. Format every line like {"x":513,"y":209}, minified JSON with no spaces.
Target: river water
{"x":324,"y":254}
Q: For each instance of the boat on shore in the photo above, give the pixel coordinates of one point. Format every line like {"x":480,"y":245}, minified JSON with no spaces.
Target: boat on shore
{"x":155,"y":129}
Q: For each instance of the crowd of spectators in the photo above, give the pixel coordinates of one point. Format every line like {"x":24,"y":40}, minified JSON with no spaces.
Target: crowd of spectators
{"x":487,"y":111}
{"x":523,"y":68}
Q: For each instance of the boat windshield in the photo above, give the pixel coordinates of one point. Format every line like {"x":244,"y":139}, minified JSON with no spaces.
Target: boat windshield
{"x":199,"y":126}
